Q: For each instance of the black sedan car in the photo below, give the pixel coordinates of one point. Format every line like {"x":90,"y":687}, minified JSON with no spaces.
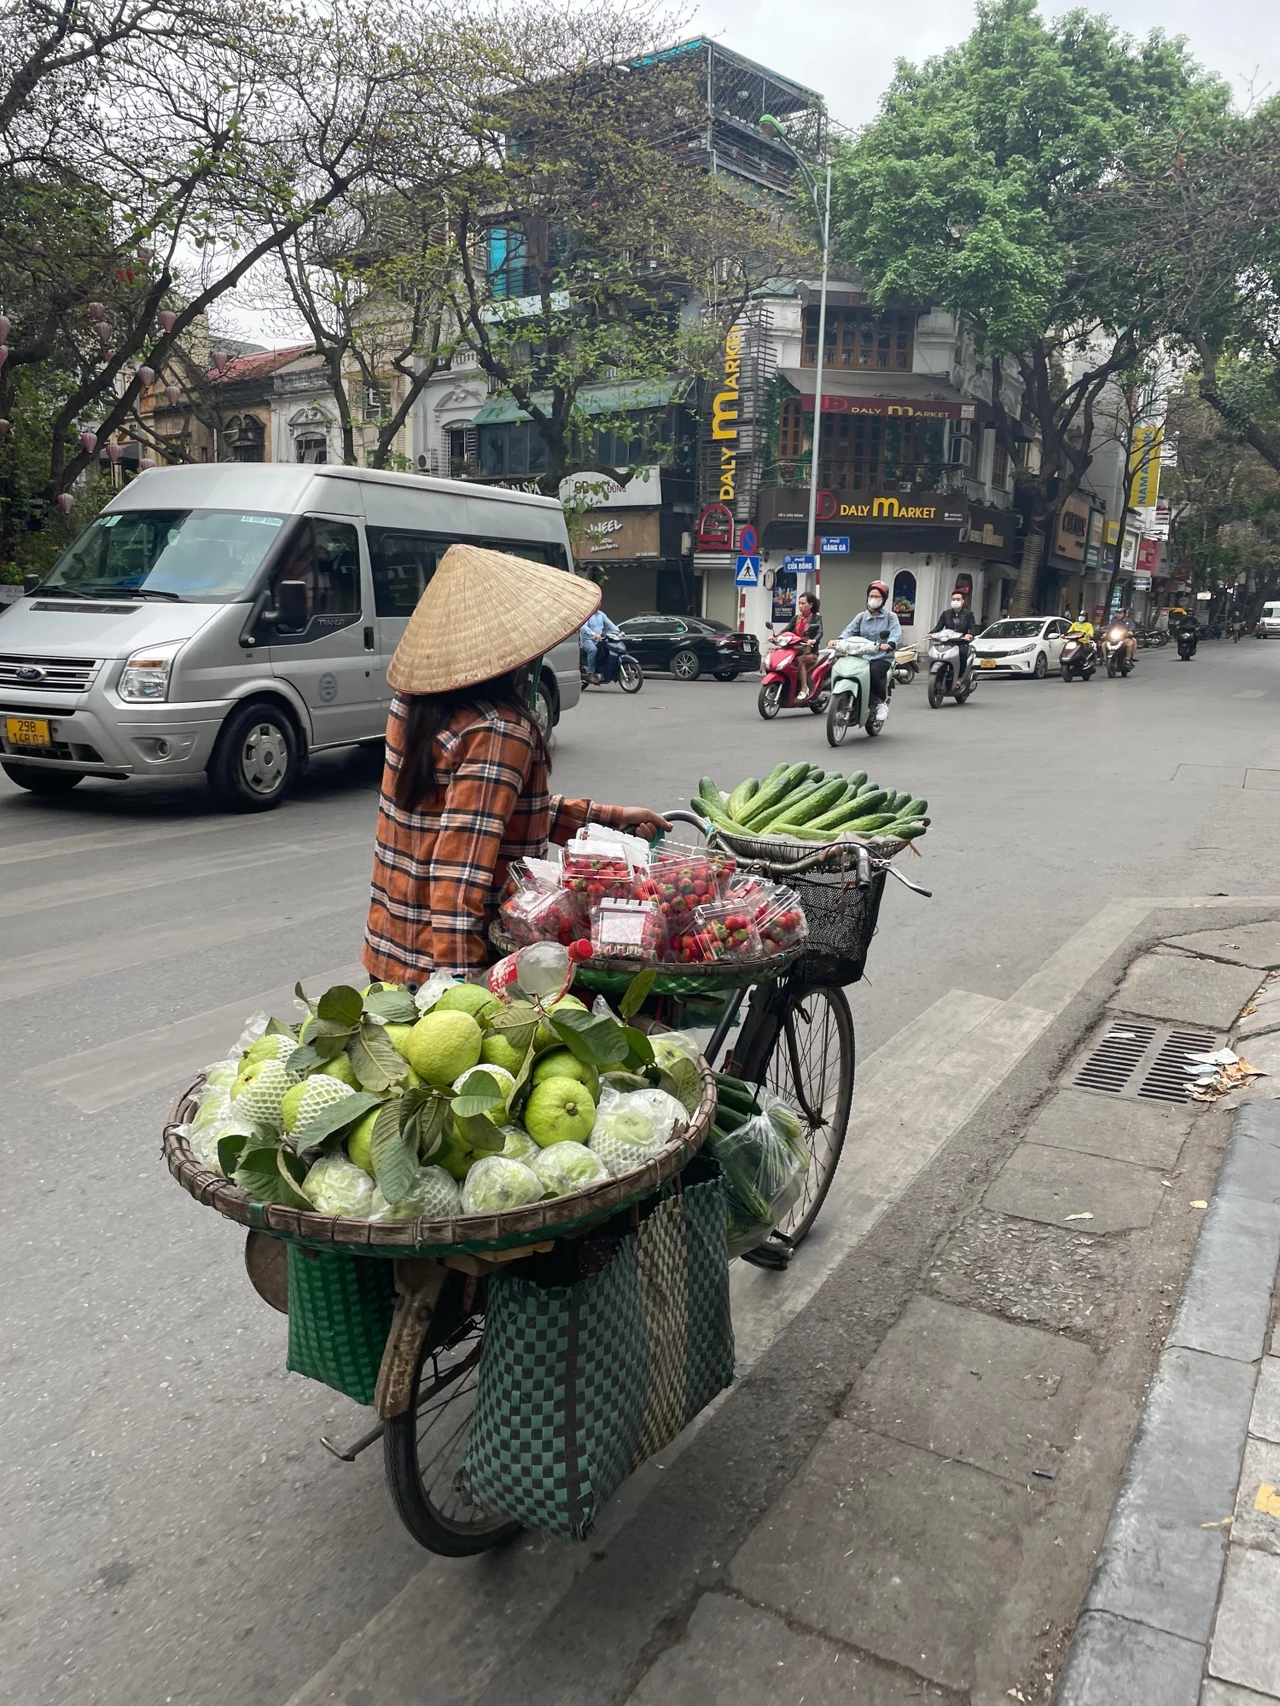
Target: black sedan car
{"x":684,"y":646}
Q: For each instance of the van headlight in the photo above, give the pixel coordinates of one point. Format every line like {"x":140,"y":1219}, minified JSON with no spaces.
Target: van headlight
{"x":145,"y":677}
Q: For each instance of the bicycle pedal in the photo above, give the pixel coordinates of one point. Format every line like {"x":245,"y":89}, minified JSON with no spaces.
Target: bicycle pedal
{"x":772,"y":1256}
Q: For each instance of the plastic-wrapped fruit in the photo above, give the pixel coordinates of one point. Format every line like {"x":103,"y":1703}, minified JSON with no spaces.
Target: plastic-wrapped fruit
{"x":624,"y":1138}
{"x":682,"y":881}
{"x":337,"y":1186}
{"x":495,"y":1183}
{"x":567,"y":1167}
{"x":433,"y":1196}
{"x":302,"y":1102}
{"x":278,"y":1045}
{"x":259,"y":1091}
{"x":543,"y":915}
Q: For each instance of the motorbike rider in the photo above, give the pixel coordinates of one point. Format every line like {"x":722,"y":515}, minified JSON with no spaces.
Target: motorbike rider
{"x":877,"y":622}
{"x":1185,"y":630}
{"x":1122,"y":619}
{"x":807,"y":623}
{"x":592,"y":631}
{"x":959,"y":619}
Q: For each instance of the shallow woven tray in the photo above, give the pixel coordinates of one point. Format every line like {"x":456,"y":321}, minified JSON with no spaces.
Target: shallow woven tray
{"x":779,"y":852}
{"x":699,"y":977}
{"x":471,"y":1233}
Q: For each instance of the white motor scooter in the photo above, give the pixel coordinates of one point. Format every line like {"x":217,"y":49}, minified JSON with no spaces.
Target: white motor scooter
{"x":850,"y":685}
{"x":944,"y":669}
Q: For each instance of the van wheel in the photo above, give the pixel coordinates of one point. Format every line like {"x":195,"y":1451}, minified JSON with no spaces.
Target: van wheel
{"x":255,"y":762}
{"x":544,"y":709}
{"x":37,"y":781}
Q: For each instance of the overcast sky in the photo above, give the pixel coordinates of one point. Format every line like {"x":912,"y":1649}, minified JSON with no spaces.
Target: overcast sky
{"x":847,"y":51}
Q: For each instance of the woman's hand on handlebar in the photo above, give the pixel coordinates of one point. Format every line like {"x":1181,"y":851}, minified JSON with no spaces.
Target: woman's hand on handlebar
{"x":642,"y":821}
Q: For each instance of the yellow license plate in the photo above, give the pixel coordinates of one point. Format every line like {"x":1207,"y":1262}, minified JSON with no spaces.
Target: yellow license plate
{"x":27,"y":731}
{"x":986,"y":663}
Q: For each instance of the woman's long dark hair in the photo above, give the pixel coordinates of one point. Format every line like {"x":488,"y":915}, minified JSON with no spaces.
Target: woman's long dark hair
{"x":417,"y":782}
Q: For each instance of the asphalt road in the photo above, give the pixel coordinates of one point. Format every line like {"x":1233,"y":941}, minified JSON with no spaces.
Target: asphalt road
{"x":172,"y":1530}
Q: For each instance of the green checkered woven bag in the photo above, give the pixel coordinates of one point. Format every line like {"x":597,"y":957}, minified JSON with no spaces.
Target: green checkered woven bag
{"x":579,"y":1383}
{"x":340,"y":1309}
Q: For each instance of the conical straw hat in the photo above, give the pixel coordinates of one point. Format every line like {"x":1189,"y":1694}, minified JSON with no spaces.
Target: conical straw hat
{"x":485,"y":613}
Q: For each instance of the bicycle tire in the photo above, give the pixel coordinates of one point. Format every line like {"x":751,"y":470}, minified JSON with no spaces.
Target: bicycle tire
{"x":435,"y":1515}
{"x":773,"y":1057}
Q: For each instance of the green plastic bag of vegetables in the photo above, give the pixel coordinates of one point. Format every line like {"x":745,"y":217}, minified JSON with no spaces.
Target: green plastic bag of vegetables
{"x":764,"y":1163}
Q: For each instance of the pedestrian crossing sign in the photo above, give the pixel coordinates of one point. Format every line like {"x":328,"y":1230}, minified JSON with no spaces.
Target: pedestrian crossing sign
{"x":748,"y":573}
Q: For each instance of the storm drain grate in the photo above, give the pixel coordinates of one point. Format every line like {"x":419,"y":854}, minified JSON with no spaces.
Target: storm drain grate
{"x":1143,"y":1062}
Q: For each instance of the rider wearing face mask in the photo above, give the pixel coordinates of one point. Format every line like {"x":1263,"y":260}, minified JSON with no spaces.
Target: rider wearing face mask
{"x":877,"y":622}
{"x":960,"y":621}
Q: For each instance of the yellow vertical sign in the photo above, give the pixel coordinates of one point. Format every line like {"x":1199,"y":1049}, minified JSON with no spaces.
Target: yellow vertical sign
{"x":1144,"y":467}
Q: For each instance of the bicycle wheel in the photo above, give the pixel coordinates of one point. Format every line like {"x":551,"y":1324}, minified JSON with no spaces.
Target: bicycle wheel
{"x":423,"y":1447}
{"x":803,"y":1050}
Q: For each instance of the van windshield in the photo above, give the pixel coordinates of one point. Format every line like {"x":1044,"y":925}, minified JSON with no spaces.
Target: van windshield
{"x":206,"y":555}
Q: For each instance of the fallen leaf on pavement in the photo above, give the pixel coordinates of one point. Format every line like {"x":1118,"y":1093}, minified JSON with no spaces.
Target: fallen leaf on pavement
{"x":1085,"y":1216}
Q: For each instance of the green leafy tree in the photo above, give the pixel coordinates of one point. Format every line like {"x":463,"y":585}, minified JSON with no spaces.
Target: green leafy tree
{"x":1224,"y":503}
{"x":978,"y":188}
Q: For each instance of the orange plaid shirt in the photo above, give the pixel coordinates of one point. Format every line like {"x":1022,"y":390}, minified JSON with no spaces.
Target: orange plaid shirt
{"x":438,"y":874}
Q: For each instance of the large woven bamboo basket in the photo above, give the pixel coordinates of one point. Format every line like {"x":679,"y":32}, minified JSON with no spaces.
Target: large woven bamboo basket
{"x":472,"y":1234}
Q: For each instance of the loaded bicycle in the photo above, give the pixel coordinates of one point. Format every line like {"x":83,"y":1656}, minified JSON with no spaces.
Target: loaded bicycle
{"x":784,"y":1026}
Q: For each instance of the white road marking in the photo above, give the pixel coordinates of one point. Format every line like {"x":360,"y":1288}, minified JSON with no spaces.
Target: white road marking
{"x":25,"y":975}
{"x":159,"y":1058}
{"x":912,"y":1096}
{"x":1251,"y":693}
{"x":18,"y":902}
{"x":104,"y":841}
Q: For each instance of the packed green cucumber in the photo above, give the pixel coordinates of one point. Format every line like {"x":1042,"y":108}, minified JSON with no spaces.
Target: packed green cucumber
{"x":804,"y":802}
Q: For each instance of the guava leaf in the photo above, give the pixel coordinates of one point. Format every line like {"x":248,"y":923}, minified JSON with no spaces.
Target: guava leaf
{"x":394,"y":1005}
{"x":342,"y":1004}
{"x":424,"y":1121}
{"x":639,"y":1048}
{"x":517,"y":1021}
{"x":259,"y":1173}
{"x":230,"y":1149}
{"x":305,"y":999}
{"x":336,"y":1117}
{"x":482,"y":1093}
{"x":373,"y":1060}
{"x":278,"y":1028}
{"x":681,"y":1079}
{"x":304,"y":1060}
{"x":480,"y":1132}
{"x":594,"y":1041}
{"x":636,"y":993}
{"x":395,"y":1157}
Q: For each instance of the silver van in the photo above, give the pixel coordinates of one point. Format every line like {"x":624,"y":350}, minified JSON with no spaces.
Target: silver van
{"x":234,"y":618}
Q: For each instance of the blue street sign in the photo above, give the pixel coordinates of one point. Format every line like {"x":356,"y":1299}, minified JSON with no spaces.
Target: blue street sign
{"x":836,"y":546}
{"x":748,"y":540}
{"x":748,"y":572}
{"x":799,"y":564}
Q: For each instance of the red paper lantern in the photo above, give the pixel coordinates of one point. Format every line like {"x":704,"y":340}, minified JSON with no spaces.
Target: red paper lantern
{"x":167,"y":318}
{"x":147,"y":462}
{"x":4,"y":354}
{"x":113,"y":453}
{"x":4,"y":328}
{"x":221,"y":361}
{"x":97,"y":311}
{"x":6,"y":427}
{"x":146,"y":377}
{"x":104,"y":332}
{"x":65,"y":502}
{"x":88,"y":442}
{"x":146,"y":256}
{"x":174,"y":395}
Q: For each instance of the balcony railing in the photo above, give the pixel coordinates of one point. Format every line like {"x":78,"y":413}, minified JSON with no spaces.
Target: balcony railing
{"x":851,"y":479}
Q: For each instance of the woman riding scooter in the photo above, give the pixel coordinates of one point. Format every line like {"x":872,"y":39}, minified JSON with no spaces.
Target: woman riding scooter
{"x":878,"y":622}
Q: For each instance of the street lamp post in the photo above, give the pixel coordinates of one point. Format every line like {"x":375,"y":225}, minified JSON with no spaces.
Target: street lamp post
{"x":822,"y":208}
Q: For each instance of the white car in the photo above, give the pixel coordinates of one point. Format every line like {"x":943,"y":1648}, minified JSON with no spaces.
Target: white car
{"x":1021,"y":645}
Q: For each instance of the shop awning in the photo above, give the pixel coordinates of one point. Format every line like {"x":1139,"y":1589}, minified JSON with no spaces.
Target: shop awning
{"x":625,"y":396}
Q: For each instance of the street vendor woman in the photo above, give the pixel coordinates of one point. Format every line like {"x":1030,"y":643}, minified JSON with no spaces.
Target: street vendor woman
{"x":464,"y":790}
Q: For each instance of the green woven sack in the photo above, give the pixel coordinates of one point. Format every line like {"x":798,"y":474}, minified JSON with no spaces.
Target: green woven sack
{"x":340,"y":1309}
{"x":579,"y":1384}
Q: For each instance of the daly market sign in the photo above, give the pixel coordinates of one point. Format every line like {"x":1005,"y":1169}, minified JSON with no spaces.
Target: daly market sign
{"x":918,"y":509}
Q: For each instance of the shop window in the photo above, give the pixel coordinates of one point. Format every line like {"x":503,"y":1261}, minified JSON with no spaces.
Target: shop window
{"x":1001,"y":468}
{"x":861,"y":338}
{"x":904,"y":597}
{"x":790,"y":431}
{"x":312,"y":447}
{"x":377,"y":403}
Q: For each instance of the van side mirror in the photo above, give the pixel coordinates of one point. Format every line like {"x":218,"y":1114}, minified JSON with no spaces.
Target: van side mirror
{"x":290,"y":612}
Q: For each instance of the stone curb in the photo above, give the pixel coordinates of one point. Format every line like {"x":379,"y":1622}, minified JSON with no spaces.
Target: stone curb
{"x":1145,"y":1623}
